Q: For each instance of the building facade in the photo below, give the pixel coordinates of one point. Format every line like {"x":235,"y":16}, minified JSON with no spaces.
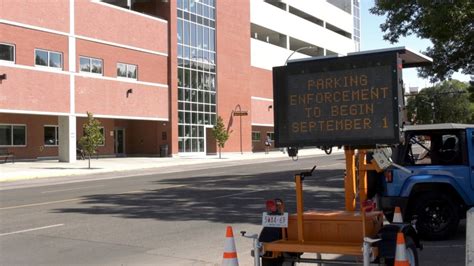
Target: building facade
{"x":156,"y":74}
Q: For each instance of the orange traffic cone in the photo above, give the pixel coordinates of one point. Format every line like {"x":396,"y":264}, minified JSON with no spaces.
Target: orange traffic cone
{"x":397,"y":216}
{"x":401,"y":251}
{"x":230,"y":254}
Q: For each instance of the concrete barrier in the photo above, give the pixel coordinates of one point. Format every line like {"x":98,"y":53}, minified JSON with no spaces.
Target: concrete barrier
{"x":470,"y":237}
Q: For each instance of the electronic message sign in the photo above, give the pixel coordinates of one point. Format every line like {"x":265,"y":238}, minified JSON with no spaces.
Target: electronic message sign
{"x":352,"y":100}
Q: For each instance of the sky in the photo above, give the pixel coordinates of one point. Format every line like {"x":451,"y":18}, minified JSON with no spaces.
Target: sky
{"x":372,"y":38}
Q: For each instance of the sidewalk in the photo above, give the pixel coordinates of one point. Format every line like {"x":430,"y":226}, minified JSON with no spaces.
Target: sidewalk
{"x":52,"y":168}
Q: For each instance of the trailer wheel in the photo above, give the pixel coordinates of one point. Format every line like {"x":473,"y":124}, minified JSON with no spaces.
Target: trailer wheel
{"x":277,"y":262}
{"x":327,"y":150}
{"x":437,"y":215}
{"x":411,"y":252}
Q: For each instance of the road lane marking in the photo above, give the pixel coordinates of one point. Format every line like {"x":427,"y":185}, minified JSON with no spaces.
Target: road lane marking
{"x":77,"y":199}
{"x":60,"y":190}
{"x":235,"y":194}
{"x":133,"y":192}
{"x":31,"y":229}
{"x":39,"y":204}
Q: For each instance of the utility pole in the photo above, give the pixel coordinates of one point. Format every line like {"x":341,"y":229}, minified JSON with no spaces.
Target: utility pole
{"x":432,"y":112}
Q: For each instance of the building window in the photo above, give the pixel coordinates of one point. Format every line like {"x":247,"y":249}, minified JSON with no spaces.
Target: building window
{"x":102,"y":132}
{"x":126,"y":71}
{"x":48,"y":58}
{"x":271,"y":135}
{"x":196,"y":73}
{"x":12,"y":135}
{"x":7,"y":52}
{"x":90,"y":65}
{"x":51,"y":135}
{"x":256,"y":136}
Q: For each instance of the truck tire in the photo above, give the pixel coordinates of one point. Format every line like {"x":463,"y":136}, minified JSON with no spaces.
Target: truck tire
{"x":437,"y":215}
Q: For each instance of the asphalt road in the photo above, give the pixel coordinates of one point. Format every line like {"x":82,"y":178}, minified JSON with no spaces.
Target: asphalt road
{"x":165,"y":217}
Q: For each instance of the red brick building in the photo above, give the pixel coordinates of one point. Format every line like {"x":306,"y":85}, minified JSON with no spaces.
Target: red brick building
{"x":154,"y":73}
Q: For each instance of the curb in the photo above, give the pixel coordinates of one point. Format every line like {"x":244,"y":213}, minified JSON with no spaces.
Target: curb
{"x":50,"y":169}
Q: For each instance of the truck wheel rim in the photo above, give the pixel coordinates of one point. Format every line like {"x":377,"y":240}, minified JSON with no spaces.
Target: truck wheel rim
{"x":436,"y":216}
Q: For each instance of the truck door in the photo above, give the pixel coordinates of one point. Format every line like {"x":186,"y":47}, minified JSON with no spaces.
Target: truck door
{"x":470,"y":147}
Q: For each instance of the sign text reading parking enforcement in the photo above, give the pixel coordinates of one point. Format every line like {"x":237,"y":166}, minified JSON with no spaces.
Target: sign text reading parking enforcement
{"x":334,"y":104}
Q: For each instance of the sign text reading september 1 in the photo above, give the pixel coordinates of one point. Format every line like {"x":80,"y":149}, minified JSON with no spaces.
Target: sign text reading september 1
{"x":350,"y":99}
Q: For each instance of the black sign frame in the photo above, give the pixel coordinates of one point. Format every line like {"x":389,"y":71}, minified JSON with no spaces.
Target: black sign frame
{"x":360,"y":62}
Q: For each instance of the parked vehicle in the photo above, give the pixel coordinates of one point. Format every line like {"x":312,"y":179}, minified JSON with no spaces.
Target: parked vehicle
{"x":440,"y":187}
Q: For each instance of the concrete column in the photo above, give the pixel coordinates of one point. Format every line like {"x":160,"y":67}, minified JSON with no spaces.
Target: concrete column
{"x":470,"y":237}
{"x":67,"y":138}
{"x":67,"y":124}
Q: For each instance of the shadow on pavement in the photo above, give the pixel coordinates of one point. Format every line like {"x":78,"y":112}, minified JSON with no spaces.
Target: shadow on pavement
{"x":223,"y":199}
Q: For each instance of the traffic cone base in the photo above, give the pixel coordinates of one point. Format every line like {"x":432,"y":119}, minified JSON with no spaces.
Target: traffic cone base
{"x":401,"y":252}
{"x":230,"y":254}
{"x":397,"y":216}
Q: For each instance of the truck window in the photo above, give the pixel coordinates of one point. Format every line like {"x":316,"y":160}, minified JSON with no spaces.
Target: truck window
{"x":434,"y":149}
{"x":418,"y":150}
{"x":449,"y":152}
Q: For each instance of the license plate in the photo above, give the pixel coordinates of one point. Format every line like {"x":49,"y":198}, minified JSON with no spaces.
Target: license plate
{"x":275,"y":220}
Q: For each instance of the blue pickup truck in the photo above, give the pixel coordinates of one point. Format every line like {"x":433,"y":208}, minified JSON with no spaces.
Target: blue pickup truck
{"x":440,"y":187}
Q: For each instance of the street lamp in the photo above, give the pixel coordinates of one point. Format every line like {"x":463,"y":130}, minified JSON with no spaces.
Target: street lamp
{"x":431,"y":103}
{"x":239,"y":113}
{"x":297,"y":50}
{"x":432,"y":113}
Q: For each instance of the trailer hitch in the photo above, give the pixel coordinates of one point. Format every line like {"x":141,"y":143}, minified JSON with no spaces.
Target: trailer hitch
{"x":257,"y":246}
{"x":307,"y":173}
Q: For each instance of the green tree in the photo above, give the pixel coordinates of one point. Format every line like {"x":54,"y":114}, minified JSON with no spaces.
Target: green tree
{"x":92,"y":137}
{"x":448,"y":24}
{"x":220,"y":133}
{"x":447,"y":102}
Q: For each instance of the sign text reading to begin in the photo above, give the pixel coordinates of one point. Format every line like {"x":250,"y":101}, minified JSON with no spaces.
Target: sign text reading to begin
{"x":338,"y":104}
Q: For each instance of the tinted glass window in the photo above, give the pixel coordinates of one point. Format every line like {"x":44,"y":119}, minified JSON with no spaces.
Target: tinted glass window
{"x":41,"y":58}
{"x":50,"y":135}
{"x":97,"y":66}
{"x":121,"y":70}
{"x":256,"y":136}
{"x":85,"y":64}
{"x":19,"y":135}
{"x":132,"y":71}
{"x":55,"y":60}
{"x":180,"y":31}
{"x":5,"y":135}
{"x":102,"y":132}
{"x":7,"y":52}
